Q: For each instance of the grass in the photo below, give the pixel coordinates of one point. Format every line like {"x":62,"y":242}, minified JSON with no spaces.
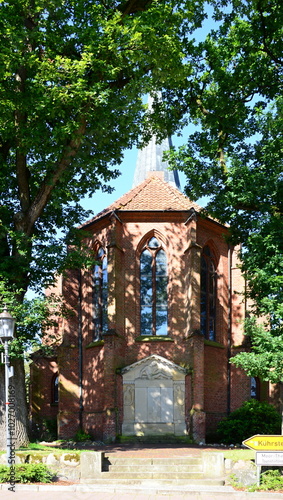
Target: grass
{"x":236,"y":454}
{"x":35,"y":446}
{"x":58,"y":448}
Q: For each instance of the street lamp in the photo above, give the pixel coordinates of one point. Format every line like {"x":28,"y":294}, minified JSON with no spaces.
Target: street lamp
{"x":7,"y":325}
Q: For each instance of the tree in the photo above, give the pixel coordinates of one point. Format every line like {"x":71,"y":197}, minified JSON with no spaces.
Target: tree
{"x":72,"y":77}
{"x":31,"y":317}
{"x":234,"y":156}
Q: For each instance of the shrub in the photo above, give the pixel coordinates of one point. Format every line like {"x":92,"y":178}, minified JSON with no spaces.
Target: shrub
{"x":45,"y":430}
{"x":26,"y":473}
{"x":82,"y":436}
{"x":271,"y":480}
{"x":50,"y":426}
{"x":253,"y":417}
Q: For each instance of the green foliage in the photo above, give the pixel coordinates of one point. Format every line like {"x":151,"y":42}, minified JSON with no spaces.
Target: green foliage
{"x":72,"y":76}
{"x":32,"y":317}
{"x":82,"y":436}
{"x":35,"y":446}
{"x":61,"y":446}
{"x":266,"y":357}
{"x":270,"y":480}
{"x":253,"y":417}
{"x":234,"y":156}
{"x":236,"y":454}
{"x":50,"y":425}
{"x":26,"y":473}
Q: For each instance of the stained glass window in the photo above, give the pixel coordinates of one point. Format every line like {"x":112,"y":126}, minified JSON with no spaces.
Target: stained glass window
{"x":153,"y":289}
{"x":255,"y":386}
{"x":55,"y":389}
{"x":100,"y":294}
{"x":208,"y":294}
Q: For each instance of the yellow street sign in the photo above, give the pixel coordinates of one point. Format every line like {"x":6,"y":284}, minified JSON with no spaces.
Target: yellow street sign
{"x":262,"y":442}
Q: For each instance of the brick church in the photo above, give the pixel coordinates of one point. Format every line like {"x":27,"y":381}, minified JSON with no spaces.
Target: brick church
{"x":153,"y":325}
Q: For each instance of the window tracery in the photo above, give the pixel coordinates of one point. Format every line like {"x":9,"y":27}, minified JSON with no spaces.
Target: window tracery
{"x":153,"y":289}
{"x":100,"y":294}
{"x":208,"y":294}
{"x":55,"y":389}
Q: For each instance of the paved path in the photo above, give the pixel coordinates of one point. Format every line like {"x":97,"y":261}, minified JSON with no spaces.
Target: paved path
{"x":122,"y":492}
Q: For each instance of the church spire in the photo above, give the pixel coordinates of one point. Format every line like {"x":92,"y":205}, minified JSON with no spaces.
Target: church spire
{"x":150,"y":159}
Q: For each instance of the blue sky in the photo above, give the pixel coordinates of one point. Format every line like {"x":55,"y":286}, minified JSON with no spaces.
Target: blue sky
{"x":123,"y":183}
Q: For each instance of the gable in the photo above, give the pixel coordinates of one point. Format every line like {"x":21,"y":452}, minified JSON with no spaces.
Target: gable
{"x":153,"y":367}
{"x":154,"y":194}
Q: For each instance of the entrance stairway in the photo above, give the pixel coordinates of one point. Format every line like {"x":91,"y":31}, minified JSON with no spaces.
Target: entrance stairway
{"x":177,"y":470}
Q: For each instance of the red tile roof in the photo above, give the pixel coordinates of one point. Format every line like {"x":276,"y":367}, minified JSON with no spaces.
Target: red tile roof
{"x":152,"y":194}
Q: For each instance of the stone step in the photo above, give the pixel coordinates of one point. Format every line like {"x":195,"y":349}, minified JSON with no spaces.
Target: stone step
{"x":153,"y":468}
{"x":170,"y":470}
{"x":153,"y":461}
{"x":149,"y":482}
{"x":153,"y":475}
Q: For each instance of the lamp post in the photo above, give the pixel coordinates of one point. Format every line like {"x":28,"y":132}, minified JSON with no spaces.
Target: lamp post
{"x":7,"y":325}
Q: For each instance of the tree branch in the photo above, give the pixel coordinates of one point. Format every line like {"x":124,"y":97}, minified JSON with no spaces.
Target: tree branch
{"x":267,"y":50}
{"x":50,"y":181}
{"x":22,"y":171}
{"x":132,"y":6}
{"x":221,"y":155}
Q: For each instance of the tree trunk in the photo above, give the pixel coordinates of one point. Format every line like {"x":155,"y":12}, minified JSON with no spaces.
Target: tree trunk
{"x":18,"y":391}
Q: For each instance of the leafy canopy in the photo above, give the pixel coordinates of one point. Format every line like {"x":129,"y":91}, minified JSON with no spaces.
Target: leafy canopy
{"x":32,"y":317}
{"x":72,"y":77}
{"x":234,"y":156}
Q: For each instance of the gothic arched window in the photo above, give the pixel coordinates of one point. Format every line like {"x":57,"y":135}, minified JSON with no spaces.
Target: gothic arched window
{"x":255,"y":385}
{"x":100,"y":294}
{"x":208,"y":294}
{"x":55,"y":389}
{"x":153,"y":289}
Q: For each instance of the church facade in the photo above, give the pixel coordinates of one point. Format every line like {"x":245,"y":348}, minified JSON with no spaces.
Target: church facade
{"x":153,"y":325}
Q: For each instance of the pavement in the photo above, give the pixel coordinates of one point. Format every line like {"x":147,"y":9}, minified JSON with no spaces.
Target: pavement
{"x":126,"y":492}
{"x":146,"y":490}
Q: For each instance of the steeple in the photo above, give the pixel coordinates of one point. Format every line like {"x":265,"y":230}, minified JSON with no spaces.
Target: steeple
{"x":150,"y":159}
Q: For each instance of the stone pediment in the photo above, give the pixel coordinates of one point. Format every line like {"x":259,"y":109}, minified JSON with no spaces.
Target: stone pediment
{"x":153,"y":368}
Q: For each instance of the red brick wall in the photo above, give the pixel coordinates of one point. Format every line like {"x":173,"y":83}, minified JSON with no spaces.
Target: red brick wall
{"x":42,"y":408}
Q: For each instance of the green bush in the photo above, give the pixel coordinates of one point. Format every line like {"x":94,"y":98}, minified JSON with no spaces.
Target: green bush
{"x":271,"y":480}
{"x":82,"y":436}
{"x":253,"y":417}
{"x":25,"y":473}
{"x":50,"y":426}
